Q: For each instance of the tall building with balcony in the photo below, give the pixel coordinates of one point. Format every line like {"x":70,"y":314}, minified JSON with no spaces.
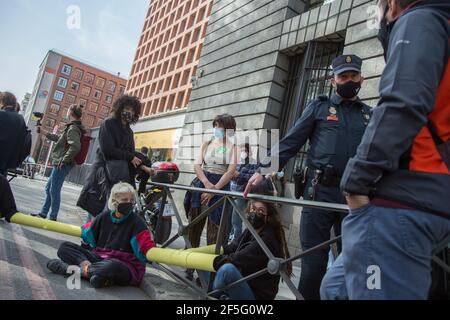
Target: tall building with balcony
{"x":165,"y":68}
{"x":64,"y":80}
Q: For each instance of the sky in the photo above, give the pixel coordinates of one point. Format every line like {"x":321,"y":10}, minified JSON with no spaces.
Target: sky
{"x":105,"y":33}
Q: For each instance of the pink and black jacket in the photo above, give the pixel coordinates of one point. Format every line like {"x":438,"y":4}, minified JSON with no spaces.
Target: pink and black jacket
{"x":126,"y":239}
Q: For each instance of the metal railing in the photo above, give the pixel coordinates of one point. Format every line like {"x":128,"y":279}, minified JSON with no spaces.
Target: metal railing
{"x":275,"y":266}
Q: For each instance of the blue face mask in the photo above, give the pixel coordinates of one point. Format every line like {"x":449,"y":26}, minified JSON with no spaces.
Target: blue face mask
{"x":219,"y":133}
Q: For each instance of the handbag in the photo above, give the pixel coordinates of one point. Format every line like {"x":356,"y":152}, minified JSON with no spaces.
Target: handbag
{"x":117,"y":171}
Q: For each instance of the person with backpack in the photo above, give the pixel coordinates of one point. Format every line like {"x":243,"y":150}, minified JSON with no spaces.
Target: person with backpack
{"x":15,"y":138}
{"x":67,"y":148}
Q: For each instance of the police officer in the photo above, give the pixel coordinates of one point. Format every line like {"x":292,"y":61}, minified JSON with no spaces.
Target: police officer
{"x":334,"y":127}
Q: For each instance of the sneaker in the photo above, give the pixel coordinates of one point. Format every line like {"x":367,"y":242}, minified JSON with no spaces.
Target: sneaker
{"x":57,"y":266}
{"x":52,"y":219}
{"x":38,"y":215}
{"x":99,"y":282}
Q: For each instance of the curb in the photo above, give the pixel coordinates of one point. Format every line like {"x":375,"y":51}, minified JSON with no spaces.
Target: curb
{"x":148,"y":288}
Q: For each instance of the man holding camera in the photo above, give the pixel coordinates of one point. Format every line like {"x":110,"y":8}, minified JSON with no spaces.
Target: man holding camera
{"x":334,"y":127}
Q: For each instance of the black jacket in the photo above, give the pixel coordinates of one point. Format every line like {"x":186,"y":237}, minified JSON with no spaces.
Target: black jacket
{"x":397,"y":159}
{"x":13,"y":139}
{"x":116,"y":142}
{"x":248,"y":257}
{"x":334,"y":128}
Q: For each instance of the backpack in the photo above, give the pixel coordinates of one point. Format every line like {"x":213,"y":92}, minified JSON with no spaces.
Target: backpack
{"x":80,"y":158}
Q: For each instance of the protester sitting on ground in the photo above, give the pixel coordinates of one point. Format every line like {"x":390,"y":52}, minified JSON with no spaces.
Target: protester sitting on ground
{"x":115,"y":244}
{"x":67,"y":147}
{"x":244,"y":255}
{"x":7,"y":203}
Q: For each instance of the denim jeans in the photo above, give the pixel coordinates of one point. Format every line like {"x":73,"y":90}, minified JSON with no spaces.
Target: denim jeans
{"x":228,"y":274}
{"x":236,"y":221}
{"x":386,"y":254}
{"x":53,"y":191}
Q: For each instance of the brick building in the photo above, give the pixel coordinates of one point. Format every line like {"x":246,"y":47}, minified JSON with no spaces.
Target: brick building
{"x":62,"y":81}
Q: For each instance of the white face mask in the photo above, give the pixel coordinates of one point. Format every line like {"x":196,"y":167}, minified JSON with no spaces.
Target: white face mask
{"x":244,"y":155}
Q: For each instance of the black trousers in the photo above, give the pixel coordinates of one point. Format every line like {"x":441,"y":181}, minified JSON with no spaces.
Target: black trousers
{"x":315,"y":228}
{"x":111,"y":269}
{"x":7,"y":203}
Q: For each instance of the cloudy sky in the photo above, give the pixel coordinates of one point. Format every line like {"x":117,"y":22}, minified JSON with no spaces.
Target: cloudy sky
{"x":106,"y":35}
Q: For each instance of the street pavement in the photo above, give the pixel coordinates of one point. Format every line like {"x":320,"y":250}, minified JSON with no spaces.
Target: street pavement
{"x":24,"y":252}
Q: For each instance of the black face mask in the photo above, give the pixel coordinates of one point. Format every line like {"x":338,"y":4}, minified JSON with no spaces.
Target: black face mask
{"x":385,"y":32}
{"x":256,"y":220}
{"x":349,"y":89}
{"x":127,"y":116}
{"x":125,"y":208}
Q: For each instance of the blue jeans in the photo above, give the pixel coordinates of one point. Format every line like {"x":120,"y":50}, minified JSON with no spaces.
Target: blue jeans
{"x":53,"y":191}
{"x":386,"y":254}
{"x":228,"y":274}
{"x":236,"y":221}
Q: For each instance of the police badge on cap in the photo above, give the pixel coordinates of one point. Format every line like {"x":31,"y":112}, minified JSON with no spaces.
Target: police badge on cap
{"x":349,"y":62}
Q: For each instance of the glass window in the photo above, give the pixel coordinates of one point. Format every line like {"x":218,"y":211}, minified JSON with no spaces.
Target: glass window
{"x":78,"y":74}
{"x":59,"y":96}
{"x":108,"y":98}
{"x":121,"y":90}
{"x":50,"y":123}
{"x":62,"y":82}
{"x":97,"y":94}
{"x":89,"y":78}
{"x":70,"y":99}
{"x":86,"y":91}
{"x":93,"y":107}
{"x":83,"y":102}
{"x":111,"y":86}
{"x":100,"y":82}
{"x":104,"y":110}
{"x":89,"y":121}
{"x":54,"y":108}
{"x":75,"y":86}
{"x":66,"y":69}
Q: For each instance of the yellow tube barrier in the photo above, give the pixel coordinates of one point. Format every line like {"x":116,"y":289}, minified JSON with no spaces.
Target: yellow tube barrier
{"x":207,"y":249}
{"x":45,"y":224}
{"x":182,"y":258}
{"x":197,"y":258}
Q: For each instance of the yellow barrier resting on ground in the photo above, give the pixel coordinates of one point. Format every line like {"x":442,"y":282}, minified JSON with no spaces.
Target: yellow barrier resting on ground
{"x":182,"y":258}
{"x":197,"y":258}
{"x":45,"y":224}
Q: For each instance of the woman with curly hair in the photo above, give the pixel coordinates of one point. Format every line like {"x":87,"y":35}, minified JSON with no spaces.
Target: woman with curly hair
{"x":116,"y":160}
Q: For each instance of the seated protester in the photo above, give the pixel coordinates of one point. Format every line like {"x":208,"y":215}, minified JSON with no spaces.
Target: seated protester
{"x":244,"y":256}
{"x":7,"y":203}
{"x":118,"y":243}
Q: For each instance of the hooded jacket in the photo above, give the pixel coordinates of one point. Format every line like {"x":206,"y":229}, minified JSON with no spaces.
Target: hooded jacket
{"x":398,"y":159}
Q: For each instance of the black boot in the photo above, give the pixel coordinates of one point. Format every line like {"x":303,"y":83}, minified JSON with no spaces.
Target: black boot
{"x":57,"y":266}
{"x":99,"y":282}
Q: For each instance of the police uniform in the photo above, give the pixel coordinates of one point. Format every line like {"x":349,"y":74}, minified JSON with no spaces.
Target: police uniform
{"x":334,"y":128}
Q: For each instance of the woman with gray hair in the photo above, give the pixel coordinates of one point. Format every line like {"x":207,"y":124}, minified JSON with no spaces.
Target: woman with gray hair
{"x":116,"y":244}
